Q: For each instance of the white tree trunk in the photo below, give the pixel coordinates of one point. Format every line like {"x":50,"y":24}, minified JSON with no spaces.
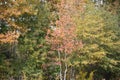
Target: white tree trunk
{"x":65,"y":68}
{"x":60,"y":66}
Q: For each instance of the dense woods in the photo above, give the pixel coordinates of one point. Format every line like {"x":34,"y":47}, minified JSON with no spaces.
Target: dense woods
{"x":59,"y":40}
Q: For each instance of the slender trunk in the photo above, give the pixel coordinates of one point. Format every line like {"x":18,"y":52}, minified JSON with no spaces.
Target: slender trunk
{"x":60,"y":66}
{"x":65,"y":68}
{"x":71,"y":72}
{"x":65,"y":71}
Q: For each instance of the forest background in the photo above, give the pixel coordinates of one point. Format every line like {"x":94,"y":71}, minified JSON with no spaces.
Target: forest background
{"x":59,"y":39}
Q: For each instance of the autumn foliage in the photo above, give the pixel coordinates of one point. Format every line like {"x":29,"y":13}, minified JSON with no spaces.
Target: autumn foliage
{"x":63,"y":36}
{"x":9,"y":10}
{"x":59,"y":39}
{"x":9,"y":37}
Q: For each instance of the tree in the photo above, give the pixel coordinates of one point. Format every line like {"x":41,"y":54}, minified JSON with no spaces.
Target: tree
{"x":10,"y":10}
{"x":63,"y":39}
{"x":99,"y":32}
{"x":32,"y":48}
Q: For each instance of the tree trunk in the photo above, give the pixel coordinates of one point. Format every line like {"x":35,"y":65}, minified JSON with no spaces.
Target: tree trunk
{"x":60,"y":65}
{"x":66,"y":66}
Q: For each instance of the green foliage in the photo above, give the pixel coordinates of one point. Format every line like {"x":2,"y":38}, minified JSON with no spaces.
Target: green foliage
{"x":84,"y":76}
{"x":30,"y":53}
{"x":31,"y":49}
{"x":99,"y":32}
